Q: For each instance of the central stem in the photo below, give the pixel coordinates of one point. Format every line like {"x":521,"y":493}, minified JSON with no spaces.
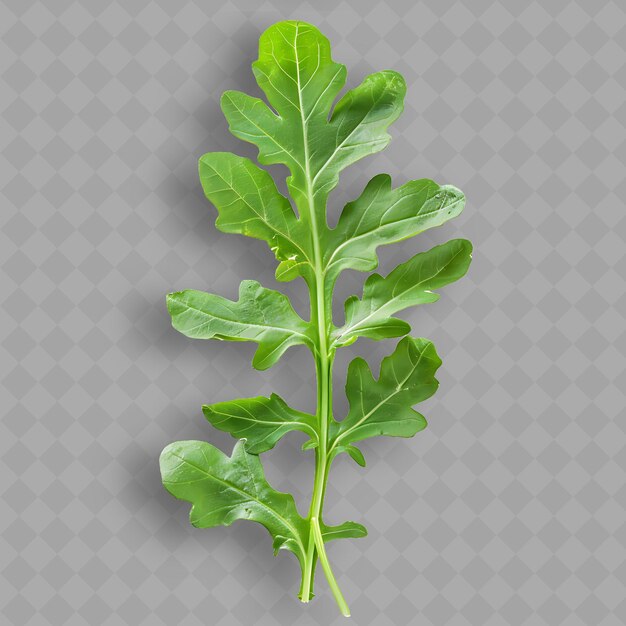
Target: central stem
{"x":323,"y":363}
{"x":322,"y":314}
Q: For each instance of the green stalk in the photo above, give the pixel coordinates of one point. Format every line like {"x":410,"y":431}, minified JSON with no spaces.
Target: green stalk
{"x":316,"y":547}
{"x":321,"y":312}
{"x":334,"y":587}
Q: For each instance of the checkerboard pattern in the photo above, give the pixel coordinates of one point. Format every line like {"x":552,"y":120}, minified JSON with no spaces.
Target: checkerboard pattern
{"x":510,"y":509}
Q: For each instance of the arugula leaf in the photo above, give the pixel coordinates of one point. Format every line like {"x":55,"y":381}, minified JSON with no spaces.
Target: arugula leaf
{"x":262,"y":421}
{"x":249,"y":204}
{"x":347,"y":530}
{"x":305,"y":125}
{"x":260,"y":315}
{"x":382,"y":215}
{"x":383,"y":406}
{"x":224,"y":489}
{"x":410,"y":284}
{"x":297,"y":74}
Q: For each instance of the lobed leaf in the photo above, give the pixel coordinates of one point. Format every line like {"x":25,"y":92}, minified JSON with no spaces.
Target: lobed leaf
{"x":249,"y":203}
{"x":359,"y":124}
{"x":296,"y":72}
{"x":260,"y":315}
{"x":382,"y":215}
{"x":316,"y":141}
{"x":300,"y":80}
{"x":224,"y":489}
{"x":410,"y":284}
{"x":383,"y":406}
{"x":262,"y":421}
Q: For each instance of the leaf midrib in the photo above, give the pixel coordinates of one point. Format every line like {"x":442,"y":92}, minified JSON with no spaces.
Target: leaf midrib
{"x":264,"y":421}
{"x":381,"y":226}
{"x":262,"y":218}
{"x":265,"y":328}
{"x":351,"y":329}
{"x":381,"y":403}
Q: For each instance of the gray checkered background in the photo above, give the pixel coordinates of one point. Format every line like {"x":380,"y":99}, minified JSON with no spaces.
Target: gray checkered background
{"x":510,"y":509}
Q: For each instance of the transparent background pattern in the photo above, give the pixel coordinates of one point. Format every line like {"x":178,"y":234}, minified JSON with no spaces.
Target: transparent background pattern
{"x":510,"y":509}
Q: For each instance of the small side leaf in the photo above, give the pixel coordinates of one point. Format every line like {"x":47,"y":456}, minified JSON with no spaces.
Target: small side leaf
{"x":347,"y":530}
{"x":260,"y":315}
{"x":262,"y":421}
{"x":352,"y":451}
{"x":383,"y":406}
{"x":410,"y":284}
{"x":224,"y":489}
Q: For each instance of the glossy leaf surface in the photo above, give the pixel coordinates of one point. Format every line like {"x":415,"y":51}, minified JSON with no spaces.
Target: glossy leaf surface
{"x":249,"y":203}
{"x":384,"y":406}
{"x":224,"y":489}
{"x":261,"y":315}
{"x":347,"y":530}
{"x":262,"y":421}
{"x":410,"y":284}
{"x":383,"y":215}
{"x":314,"y":140}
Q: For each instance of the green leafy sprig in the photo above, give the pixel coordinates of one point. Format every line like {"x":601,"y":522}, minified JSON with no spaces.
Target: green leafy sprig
{"x":305,"y":127}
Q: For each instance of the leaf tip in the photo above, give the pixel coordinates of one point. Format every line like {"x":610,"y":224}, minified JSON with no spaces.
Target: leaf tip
{"x":356,"y":454}
{"x":395,"y":81}
{"x":174,"y":300}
